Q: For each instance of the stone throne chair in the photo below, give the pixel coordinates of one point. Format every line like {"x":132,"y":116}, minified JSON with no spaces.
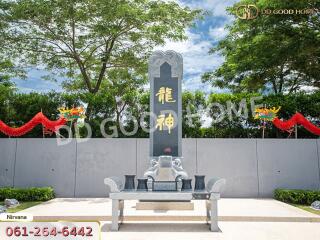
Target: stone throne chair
{"x":165,"y":174}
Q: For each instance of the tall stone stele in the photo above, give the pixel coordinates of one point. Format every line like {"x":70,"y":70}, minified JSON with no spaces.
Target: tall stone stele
{"x":165,"y":75}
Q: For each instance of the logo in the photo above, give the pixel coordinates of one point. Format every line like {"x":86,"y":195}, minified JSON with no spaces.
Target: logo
{"x":247,"y":11}
{"x":251,"y":11}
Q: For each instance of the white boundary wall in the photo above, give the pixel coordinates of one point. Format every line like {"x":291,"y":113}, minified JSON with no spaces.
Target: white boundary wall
{"x":252,"y":167}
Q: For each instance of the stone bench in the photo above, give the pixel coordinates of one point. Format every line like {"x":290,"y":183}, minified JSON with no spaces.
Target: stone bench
{"x":210,"y":198}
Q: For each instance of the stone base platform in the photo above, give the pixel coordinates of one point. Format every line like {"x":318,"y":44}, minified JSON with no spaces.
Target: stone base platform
{"x":230,"y":210}
{"x":165,"y":206}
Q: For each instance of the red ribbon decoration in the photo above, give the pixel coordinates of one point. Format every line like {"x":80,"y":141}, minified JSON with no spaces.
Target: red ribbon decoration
{"x":53,"y":126}
{"x":37,"y":119}
{"x":297,"y":118}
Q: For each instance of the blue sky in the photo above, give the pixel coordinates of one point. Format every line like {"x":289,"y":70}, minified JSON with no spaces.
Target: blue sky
{"x":194,"y":50}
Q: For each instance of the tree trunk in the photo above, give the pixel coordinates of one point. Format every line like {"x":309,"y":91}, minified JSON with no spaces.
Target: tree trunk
{"x":274,"y":86}
{"x":88,"y":113}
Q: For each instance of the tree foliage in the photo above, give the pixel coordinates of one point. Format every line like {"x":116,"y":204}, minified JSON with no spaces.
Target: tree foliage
{"x":273,"y":52}
{"x":85,"y":39}
{"x":240,"y":127}
{"x":193,"y":106}
{"x":18,"y":108}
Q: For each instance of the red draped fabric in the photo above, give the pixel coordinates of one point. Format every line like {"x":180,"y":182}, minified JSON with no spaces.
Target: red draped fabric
{"x":37,"y":119}
{"x":297,"y":118}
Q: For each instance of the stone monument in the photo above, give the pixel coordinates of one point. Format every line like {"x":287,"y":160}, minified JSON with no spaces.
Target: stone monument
{"x":165,"y":172}
{"x":165,"y":75}
{"x":166,"y":185}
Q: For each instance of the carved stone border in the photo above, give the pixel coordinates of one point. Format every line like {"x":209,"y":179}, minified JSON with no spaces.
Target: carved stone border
{"x":176,"y":61}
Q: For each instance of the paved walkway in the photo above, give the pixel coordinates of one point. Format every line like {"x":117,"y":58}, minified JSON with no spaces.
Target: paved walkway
{"x":240,"y":219}
{"x":229,"y":210}
{"x":229,"y":231}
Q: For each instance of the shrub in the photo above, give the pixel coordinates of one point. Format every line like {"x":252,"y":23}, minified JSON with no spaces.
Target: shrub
{"x":305,"y":197}
{"x":27,"y":194}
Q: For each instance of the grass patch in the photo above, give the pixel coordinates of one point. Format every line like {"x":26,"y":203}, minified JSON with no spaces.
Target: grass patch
{"x":307,"y":208}
{"x":22,"y":206}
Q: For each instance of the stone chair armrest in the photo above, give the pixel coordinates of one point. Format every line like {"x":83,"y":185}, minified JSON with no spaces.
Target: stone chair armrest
{"x":114,"y":183}
{"x":215,"y":185}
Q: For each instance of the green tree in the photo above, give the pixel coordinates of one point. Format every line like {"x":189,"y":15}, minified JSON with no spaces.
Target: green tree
{"x":232,"y":116}
{"x":240,"y":127}
{"x":276,"y":52}
{"x":6,"y":92}
{"x":87,"y":38}
{"x":121,"y":92}
{"x":140,"y":111}
{"x":7,"y":87}
{"x":7,"y":69}
{"x":18,"y":108}
{"x":193,"y":108}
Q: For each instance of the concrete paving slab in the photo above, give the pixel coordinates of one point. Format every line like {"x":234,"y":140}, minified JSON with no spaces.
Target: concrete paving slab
{"x":254,"y":210}
{"x":241,"y":219}
{"x":229,"y":231}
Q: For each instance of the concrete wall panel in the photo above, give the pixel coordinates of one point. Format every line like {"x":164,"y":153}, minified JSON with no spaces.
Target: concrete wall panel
{"x":233,"y":159}
{"x":101,"y":158}
{"x":41,"y":162}
{"x":288,"y":163}
{"x":189,"y":154}
{"x":252,"y":167}
{"x":7,"y":161}
{"x":143,"y":156}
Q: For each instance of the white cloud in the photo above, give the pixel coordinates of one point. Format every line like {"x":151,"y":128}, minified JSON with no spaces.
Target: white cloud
{"x":196,"y":60}
{"x":217,"y":33}
{"x":217,"y":7}
{"x":195,"y":50}
{"x":35,"y":83}
{"x":194,"y":83}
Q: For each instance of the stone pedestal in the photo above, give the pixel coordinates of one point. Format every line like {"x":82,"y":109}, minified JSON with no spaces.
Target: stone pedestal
{"x":165,"y":206}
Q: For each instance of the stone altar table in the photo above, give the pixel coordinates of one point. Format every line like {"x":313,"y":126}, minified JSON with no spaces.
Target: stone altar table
{"x":210,"y":197}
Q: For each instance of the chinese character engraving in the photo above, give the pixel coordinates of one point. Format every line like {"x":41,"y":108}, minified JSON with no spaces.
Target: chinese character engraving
{"x":163,"y":121}
{"x":165,"y":95}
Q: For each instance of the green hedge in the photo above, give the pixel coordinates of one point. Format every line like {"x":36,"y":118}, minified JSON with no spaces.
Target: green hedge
{"x":27,"y":194}
{"x":305,"y":197}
